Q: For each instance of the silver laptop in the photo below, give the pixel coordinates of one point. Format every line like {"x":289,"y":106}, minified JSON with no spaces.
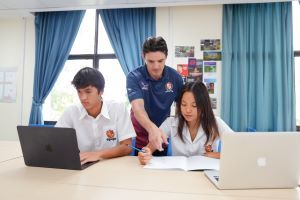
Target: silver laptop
{"x":258,"y":160}
{"x":50,"y":147}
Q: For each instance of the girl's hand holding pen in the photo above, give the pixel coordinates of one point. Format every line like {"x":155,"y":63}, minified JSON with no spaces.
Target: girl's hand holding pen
{"x":145,"y":155}
{"x":210,"y":153}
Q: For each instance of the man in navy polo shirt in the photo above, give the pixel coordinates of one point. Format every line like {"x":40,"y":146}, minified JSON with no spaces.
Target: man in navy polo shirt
{"x":152,"y":88}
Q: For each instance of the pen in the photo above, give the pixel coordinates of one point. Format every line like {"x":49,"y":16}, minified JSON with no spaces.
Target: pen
{"x":139,"y":150}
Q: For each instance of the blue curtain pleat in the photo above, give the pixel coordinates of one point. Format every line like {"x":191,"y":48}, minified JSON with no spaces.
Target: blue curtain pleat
{"x":258,"y":88}
{"x":55,"y":33}
{"x":127,"y":29}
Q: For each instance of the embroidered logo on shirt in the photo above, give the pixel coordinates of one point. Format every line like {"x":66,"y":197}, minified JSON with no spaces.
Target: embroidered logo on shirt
{"x":169,"y":87}
{"x":110,"y":135}
{"x":144,"y":86}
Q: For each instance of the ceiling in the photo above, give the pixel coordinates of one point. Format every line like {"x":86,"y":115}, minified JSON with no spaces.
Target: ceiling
{"x":9,"y":8}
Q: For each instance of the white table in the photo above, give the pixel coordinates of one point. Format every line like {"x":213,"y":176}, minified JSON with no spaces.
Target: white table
{"x":120,"y":178}
{"x":9,"y":150}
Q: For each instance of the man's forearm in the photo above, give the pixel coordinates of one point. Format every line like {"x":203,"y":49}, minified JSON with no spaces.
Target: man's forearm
{"x":143,"y":118}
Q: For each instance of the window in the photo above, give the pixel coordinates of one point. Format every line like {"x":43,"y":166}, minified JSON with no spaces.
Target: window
{"x":89,"y":50}
{"x":296,"y":39}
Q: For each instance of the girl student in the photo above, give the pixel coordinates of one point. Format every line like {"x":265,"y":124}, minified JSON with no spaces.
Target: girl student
{"x":194,"y":130}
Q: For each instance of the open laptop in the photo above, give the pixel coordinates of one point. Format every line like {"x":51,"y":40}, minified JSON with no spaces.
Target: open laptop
{"x":258,"y":160}
{"x":50,"y":147}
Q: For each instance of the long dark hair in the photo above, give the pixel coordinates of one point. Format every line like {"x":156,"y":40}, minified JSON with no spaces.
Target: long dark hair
{"x":206,"y":116}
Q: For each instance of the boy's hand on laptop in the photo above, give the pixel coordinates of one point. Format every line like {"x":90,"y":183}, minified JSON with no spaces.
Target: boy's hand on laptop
{"x":86,"y":157}
{"x":145,"y":156}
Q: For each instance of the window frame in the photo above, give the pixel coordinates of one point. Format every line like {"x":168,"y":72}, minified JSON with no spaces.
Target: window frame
{"x":297,"y":54}
{"x":95,"y":56}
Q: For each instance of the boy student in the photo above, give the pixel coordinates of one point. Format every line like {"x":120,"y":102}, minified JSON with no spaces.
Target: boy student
{"x":151,"y":89}
{"x":195,"y":130}
{"x":103,"y":128}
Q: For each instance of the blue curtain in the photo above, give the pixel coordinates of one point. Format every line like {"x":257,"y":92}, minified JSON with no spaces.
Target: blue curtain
{"x":258,"y":88}
{"x":55,"y":33}
{"x":127,"y":29}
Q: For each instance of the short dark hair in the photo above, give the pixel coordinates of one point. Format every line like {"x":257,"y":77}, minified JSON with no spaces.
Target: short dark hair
{"x":89,"y":77}
{"x":153,"y":44}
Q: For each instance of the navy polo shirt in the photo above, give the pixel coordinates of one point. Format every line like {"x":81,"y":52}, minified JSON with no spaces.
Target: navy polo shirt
{"x":158,"y":95}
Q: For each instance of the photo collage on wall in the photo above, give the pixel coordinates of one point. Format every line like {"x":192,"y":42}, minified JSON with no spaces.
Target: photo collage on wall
{"x":201,"y":69}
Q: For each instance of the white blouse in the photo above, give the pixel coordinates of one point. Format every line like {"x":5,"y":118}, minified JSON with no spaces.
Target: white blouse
{"x":187,"y":147}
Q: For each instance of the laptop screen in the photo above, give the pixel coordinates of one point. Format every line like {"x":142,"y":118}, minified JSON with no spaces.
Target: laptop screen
{"x":49,"y":147}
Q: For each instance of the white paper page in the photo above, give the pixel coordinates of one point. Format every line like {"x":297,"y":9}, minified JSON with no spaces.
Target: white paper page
{"x":202,"y":163}
{"x":167,"y":162}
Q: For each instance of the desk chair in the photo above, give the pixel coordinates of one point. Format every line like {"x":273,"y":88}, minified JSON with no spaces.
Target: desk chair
{"x":250,"y":129}
{"x":169,"y":152}
{"x":133,"y":144}
{"x":46,"y":124}
{"x":42,"y":125}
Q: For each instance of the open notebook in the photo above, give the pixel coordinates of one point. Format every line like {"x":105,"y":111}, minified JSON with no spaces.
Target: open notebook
{"x":183,"y":163}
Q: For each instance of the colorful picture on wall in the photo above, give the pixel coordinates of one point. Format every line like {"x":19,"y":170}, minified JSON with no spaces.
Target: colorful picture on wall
{"x":183,"y":69}
{"x":190,"y":79}
{"x":196,"y":70}
{"x":210,"y":67}
{"x":216,"y":55}
{"x":184,"y":51}
{"x":210,"y":85}
{"x":212,"y":44}
{"x":192,"y":62}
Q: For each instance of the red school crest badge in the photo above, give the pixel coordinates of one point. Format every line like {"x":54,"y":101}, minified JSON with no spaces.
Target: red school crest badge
{"x":169,"y":87}
{"x":110,"y":135}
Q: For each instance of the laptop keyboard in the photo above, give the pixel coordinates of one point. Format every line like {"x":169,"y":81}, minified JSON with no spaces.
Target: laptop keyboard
{"x":217,"y":178}
{"x":85,"y":165}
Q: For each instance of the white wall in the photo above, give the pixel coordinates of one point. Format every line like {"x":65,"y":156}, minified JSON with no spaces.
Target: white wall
{"x":186,"y":26}
{"x":178,"y":25}
{"x":17,"y":52}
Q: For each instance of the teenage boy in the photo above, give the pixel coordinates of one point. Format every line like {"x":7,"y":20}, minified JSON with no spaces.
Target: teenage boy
{"x":103,"y":128}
